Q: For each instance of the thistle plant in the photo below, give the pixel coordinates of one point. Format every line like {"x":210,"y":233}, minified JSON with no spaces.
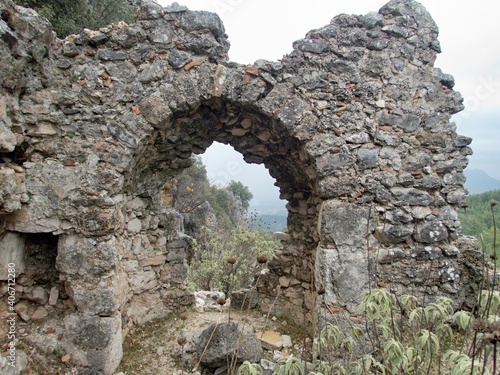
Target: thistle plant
{"x":289,"y":366}
{"x":248,"y":368}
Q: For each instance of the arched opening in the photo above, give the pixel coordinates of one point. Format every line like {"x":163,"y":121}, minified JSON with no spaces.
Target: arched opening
{"x":261,"y":140}
{"x":265,"y":211}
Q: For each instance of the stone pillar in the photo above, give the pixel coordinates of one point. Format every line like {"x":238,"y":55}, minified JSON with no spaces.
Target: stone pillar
{"x":88,"y":266}
{"x":342,"y":264}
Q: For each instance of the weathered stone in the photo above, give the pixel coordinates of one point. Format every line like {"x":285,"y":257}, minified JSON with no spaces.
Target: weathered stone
{"x":98,"y":39}
{"x":95,"y":298}
{"x":20,"y":366}
{"x":152,"y":72}
{"x":38,"y":295}
{"x":434,"y":231}
{"x":410,"y":123}
{"x":84,"y":256}
{"x":12,"y":253}
{"x":454,"y":179}
{"x":282,"y":236}
{"x":427,"y":253}
{"x":145,"y":307}
{"x":175,"y":8}
{"x":200,"y":20}
{"x":12,"y":191}
{"x":178,"y":58}
{"x":312,"y":45}
{"x":111,"y":55}
{"x":286,"y":341}
{"x":53,"y":296}
{"x":456,"y":197}
{"x":157,"y":260}
{"x":450,"y":250}
{"x":417,"y":161}
{"x":8,"y":140}
{"x":343,"y":224}
{"x":462,"y":141}
{"x":398,"y":216}
{"x":331,"y":163}
{"x":270,"y":340}
{"x":150,"y":10}
{"x":23,"y":310}
{"x":143,"y":280}
{"x":390,"y":119}
{"x":393,"y":233}
{"x":413,"y":197}
{"x":95,"y":341}
{"x":388,"y":256}
{"x":134,"y":225}
{"x":70,"y":49}
{"x":367,"y":158}
{"x":176,"y":254}
{"x":267,"y":366}
{"x":40,"y":313}
{"x":228,"y":340}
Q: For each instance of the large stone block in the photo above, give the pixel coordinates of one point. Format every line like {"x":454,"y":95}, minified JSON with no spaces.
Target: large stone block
{"x":80,"y":256}
{"x":12,"y":252}
{"x":94,"y":298}
{"x":343,"y":274}
{"x":94,"y":342}
{"x":344,"y":224}
{"x":223,"y":341}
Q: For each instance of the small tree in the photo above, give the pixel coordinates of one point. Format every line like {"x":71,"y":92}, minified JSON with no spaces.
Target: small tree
{"x":241,"y":191}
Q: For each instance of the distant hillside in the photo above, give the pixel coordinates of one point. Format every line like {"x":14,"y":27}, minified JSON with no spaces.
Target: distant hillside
{"x":479,"y":181}
{"x":477,"y":218}
{"x":271,"y":223}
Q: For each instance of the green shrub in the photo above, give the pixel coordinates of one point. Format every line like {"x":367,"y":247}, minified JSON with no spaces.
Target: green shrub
{"x":72,"y":16}
{"x":476,"y":219}
{"x":210,"y":270}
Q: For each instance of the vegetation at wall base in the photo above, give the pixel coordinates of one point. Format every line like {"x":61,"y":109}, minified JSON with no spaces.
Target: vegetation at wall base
{"x":398,"y":334}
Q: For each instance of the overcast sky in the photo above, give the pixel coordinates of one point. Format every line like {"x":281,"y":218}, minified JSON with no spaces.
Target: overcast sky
{"x":469,"y":37}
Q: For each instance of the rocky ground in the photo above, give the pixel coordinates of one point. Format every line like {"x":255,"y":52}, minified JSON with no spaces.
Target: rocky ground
{"x":153,"y":348}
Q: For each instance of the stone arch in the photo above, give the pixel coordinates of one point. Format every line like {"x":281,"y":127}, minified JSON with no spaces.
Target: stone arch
{"x":354,"y":125}
{"x":260,"y":138}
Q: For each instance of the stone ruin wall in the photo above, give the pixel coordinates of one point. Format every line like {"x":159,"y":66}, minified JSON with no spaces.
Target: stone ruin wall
{"x":354,"y":125}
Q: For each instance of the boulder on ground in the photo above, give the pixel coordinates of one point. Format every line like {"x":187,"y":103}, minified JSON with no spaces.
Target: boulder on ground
{"x":227,"y":340}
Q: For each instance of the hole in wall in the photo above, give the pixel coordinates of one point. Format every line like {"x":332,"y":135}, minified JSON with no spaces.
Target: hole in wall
{"x":39,"y":290}
{"x":41,"y":253}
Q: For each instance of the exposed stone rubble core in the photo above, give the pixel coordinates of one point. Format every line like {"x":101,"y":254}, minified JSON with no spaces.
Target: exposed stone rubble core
{"x":354,"y":125}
